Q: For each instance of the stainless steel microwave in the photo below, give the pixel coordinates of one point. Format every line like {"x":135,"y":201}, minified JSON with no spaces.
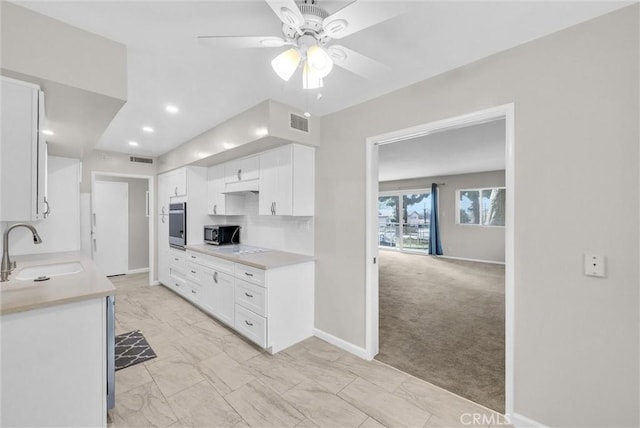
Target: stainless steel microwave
{"x":223,"y":234}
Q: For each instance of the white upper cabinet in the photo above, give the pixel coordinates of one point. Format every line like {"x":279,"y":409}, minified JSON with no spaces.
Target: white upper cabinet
{"x":216,"y":200}
{"x":23,"y":155}
{"x":178,"y":182}
{"x":242,"y":169}
{"x":287,"y":181}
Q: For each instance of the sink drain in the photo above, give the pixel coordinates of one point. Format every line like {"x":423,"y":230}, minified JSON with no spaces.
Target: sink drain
{"x":41,"y":278}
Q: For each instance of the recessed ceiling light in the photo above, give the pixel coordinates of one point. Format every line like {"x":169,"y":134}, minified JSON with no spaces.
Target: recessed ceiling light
{"x":171,"y":108}
{"x":47,"y":132}
{"x":307,"y":114}
{"x":133,"y":143}
{"x":147,"y":129}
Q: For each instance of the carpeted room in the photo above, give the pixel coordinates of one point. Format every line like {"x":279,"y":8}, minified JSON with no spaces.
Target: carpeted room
{"x":442,"y":318}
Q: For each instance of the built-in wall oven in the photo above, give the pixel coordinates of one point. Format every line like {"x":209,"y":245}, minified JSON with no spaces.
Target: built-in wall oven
{"x":178,"y":225}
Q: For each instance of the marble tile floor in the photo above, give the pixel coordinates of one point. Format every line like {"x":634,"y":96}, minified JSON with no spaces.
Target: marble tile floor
{"x":206,"y":375}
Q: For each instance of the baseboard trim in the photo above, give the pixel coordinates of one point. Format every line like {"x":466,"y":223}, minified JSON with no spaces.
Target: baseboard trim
{"x":341,"y":343}
{"x":155,"y":282}
{"x":521,"y":421}
{"x":140,"y":270}
{"x":472,"y":260}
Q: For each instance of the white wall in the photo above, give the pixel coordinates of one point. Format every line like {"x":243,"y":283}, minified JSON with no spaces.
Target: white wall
{"x":576,"y":191}
{"x":60,"y":231}
{"x":460,"y":240}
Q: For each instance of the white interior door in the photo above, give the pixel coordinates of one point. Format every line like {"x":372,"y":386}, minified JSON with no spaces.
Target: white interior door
{"x":111,"y":227}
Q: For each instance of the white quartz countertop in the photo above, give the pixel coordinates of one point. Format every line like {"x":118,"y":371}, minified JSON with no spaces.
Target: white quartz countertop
{"x":260,"y":258}
{"x":24,"y":295}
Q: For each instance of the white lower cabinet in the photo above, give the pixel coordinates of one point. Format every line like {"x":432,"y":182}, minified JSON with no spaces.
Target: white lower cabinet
{"x":251,"y":325}
{"x":272,"y":307}
{"x":219,"y":295}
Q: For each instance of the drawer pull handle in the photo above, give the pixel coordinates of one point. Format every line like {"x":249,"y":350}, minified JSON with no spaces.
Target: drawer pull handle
{"x":248,"y":274}
{"x":193,"y":271}
{"x":175,"y":260}
{"x":248,"y":295}
{"x":177,"y":285}
{"x":193,"y":291}
{"x":193,"y":257}
{"x":248,"y":323}
{"x":215,"y":277}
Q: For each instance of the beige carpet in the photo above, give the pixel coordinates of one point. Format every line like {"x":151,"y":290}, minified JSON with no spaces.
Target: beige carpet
{"x":442,"y":320}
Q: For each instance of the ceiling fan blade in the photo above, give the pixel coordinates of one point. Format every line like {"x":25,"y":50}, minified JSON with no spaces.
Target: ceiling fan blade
{"x":287,"y":11}
{"x":357,"y":63}
{"x":244,"y":41}
{"x":359,"y":15}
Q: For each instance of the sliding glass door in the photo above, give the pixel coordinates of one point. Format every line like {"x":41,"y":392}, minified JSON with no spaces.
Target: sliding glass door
{"x":403,"y":220}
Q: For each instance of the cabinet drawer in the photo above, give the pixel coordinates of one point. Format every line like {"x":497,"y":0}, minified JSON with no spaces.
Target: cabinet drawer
{"x":251,"y":296}
{"x":250,"y":274}
{"x":194,"y":272}
{"x":178,"y":284}
{"x":251,"y":325}
{"x":211,"y":262}
{"x":193,"y":291}
{"x":176,"y":261}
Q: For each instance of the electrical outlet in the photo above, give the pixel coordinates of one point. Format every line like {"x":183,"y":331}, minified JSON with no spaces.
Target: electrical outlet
{"x":594,"y":265}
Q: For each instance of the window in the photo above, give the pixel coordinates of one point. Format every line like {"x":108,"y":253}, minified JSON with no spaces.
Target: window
{"x":403,"y":220}
{"x":483,"y":207}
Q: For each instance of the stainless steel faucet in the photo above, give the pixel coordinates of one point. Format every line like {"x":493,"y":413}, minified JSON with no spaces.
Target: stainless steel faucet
{"x":7,"y":265}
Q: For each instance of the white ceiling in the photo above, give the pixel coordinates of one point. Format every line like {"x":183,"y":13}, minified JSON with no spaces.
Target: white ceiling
{"x":167,"y":64}
{"x":474,"y":148}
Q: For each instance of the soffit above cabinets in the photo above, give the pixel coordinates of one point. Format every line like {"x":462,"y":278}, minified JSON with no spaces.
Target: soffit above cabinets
{"x":83,"y":75}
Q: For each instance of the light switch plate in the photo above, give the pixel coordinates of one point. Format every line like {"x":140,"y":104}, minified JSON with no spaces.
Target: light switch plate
{"x":594,"y":265}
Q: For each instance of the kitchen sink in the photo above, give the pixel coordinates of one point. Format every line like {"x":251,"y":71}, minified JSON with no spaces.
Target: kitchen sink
{"x":48,"y":271}
{"x":241,"y":249}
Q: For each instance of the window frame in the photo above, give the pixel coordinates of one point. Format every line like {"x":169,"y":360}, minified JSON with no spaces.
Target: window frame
{"x":479,"y":190}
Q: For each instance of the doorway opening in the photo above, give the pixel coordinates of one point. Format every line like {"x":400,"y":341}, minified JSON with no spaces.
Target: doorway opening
{"x":121,"y":224}
{"x":411,"y":232}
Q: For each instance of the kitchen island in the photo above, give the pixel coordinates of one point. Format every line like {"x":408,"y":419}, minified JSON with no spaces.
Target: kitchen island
{"x":54,"y":342}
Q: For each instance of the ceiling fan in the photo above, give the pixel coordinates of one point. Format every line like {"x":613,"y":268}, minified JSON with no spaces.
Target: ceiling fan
{"x":308,"y":31}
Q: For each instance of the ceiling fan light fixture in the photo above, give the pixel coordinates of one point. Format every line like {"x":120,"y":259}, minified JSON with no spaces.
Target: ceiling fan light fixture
{"x":335,"y":27}
{"x":310,"y":78}
{"x":319,"y":60}
{"x":286,"y":63}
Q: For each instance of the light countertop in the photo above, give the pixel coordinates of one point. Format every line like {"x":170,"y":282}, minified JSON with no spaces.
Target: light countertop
{"x":266,"y":259}
{"x":24,"y":295}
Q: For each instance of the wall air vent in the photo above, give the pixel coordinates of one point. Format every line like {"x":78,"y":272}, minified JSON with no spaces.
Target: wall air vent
{"x":140,"y":160}
{"x":300,"y":123}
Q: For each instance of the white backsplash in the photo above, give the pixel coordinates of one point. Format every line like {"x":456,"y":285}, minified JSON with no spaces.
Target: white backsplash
{"x":292,"y":234}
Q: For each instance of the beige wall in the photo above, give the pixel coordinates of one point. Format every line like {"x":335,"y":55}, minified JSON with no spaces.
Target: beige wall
{"x":576,"y":191}
{"x":459,"y":240}
{"x":100,"y":161}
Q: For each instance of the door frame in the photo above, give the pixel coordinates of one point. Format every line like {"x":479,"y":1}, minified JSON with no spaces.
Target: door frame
{"x":506,"y":112}
{"x":151,"y":208}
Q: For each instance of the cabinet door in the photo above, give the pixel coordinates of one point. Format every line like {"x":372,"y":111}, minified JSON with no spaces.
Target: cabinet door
{"x":163,"y":211}
{"x":276,"y":184}
{"x":163,"y":268}
{"x":242,"y":169}
{"x":220,"y":295}
{"x":177,"y":183}
{"x":215,"y":186}
{"x":19,"y":152}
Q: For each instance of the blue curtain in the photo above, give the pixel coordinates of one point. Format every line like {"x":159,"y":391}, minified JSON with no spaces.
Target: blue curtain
{"x":435,"y":245}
